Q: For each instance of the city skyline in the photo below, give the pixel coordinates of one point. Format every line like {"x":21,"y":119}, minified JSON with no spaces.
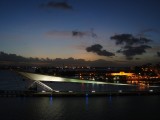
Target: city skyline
{"x":119,"y":32}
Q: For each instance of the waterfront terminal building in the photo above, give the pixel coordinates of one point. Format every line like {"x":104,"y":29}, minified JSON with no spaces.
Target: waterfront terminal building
{"x":23,"y":81}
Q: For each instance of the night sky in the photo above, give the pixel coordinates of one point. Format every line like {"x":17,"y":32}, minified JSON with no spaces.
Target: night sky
{"x":121,"y":31}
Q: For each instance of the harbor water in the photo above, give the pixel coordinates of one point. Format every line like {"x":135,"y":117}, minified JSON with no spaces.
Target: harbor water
{"x":80,"y":108}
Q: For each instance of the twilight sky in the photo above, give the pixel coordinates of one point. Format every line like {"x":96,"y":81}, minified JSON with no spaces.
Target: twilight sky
{"x":121,"y":31}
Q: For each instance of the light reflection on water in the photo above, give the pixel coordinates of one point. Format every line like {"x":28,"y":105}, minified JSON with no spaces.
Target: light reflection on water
{"x":78,"y":108}
{"x":86,"y":102}
{"x":51,"y":100}
{"x":110,"y":98}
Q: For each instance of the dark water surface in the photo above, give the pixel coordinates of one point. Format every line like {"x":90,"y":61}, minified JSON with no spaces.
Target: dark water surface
{"x":80,"y":108}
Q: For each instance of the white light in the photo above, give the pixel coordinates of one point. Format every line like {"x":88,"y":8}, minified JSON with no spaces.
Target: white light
{"x":120,"y":91}
{"x":93,"y":91}
{"x":43,"y":91}
{"x":57,"y":91}
{"x":70,"y":91}
{"x":150,"y":90}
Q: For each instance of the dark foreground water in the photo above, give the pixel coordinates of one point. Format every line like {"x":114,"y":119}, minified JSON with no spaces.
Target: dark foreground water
{"x":80,"y":108}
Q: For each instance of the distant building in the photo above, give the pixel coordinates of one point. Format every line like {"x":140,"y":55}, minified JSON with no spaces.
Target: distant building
{"x":122,"y":74}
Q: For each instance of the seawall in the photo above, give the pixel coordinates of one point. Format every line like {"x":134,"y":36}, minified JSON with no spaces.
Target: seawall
{"x":75,"y":94}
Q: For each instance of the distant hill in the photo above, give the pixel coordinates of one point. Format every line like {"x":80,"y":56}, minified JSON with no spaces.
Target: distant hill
{"x":13,"y":59}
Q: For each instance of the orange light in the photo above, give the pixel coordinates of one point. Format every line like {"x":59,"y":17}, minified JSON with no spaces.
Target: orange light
{"x":122,"y":74}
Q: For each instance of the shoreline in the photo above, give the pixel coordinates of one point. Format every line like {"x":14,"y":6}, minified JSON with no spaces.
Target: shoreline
{"x":75,"y":94}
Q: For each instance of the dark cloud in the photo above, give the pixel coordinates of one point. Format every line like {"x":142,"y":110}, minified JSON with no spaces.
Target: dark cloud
{"x":129,"y":39}
{"x":131,"y":45}
{"x":58,"y":5}
{"x":77,"y":33}
{"x":74,"y":33}
{"x":158,"y":53}
{"x":98,"y":49}
{"x":130,"y":51}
